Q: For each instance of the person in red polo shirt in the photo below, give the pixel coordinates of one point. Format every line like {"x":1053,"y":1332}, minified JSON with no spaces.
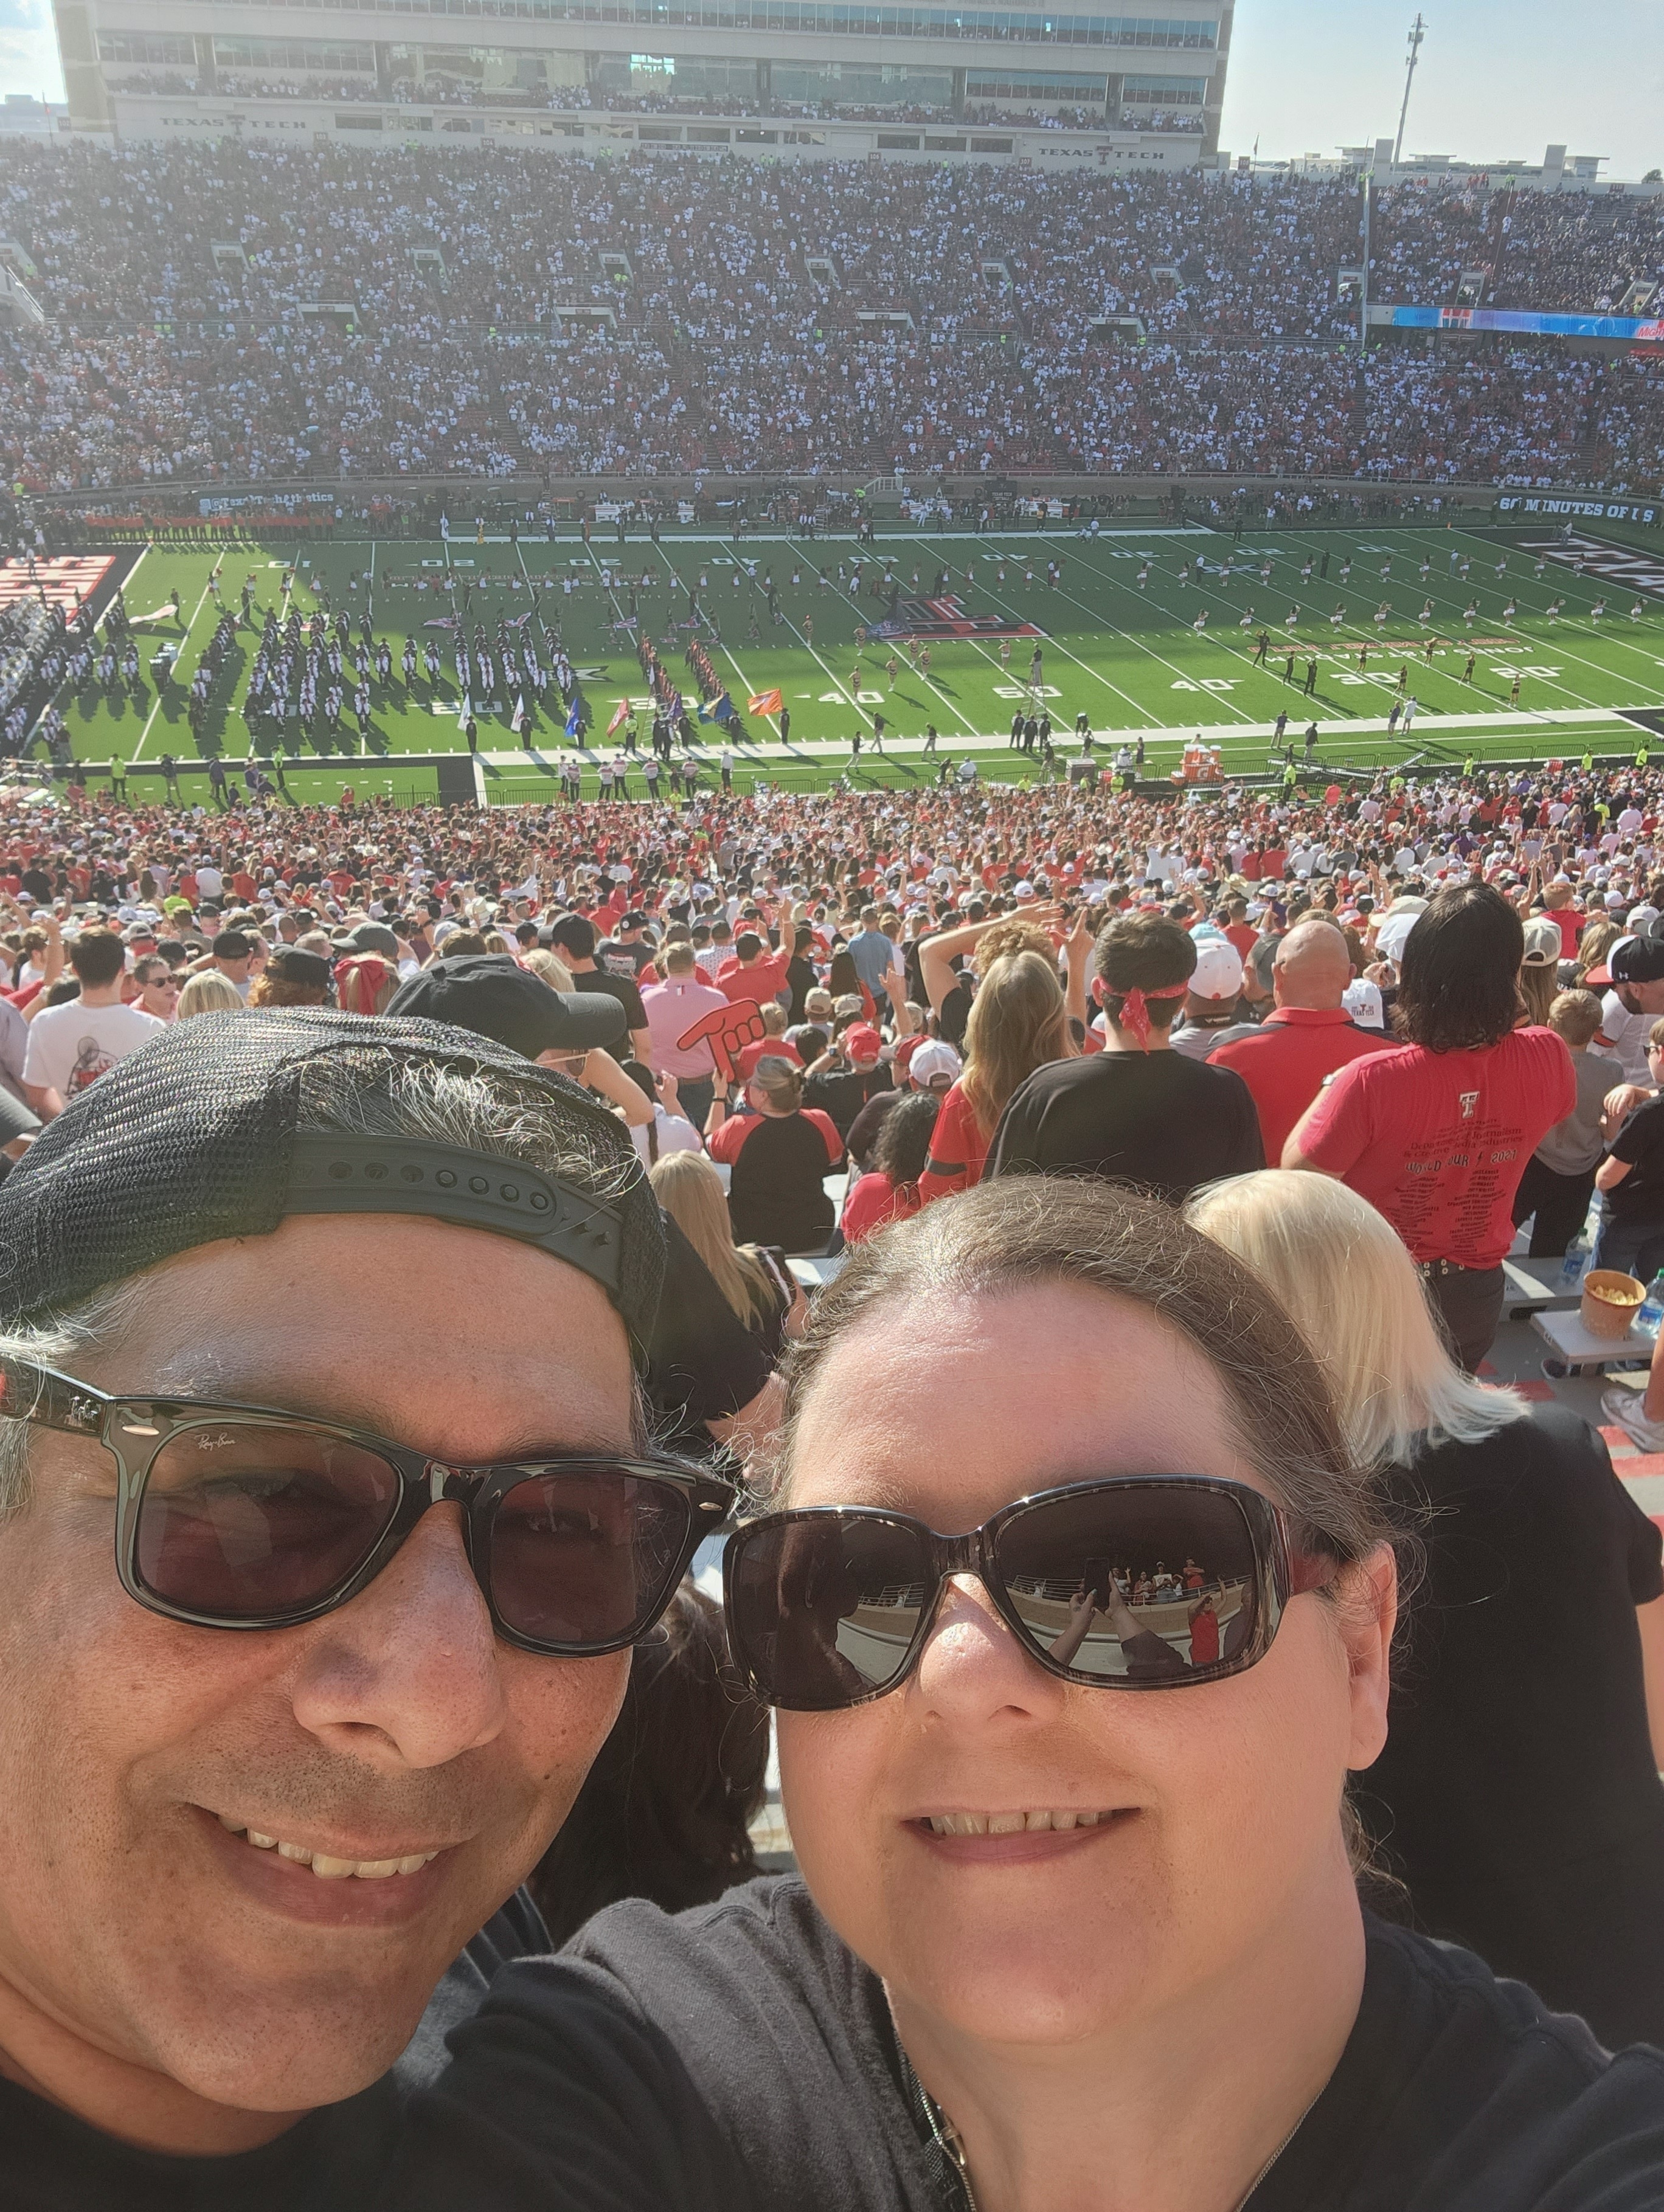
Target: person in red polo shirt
{"x":1309,"y":1035}
{"x":1436,"y":1134}
{"x":754,"y":972}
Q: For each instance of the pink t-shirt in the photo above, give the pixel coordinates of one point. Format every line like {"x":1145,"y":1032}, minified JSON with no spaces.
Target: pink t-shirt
{"x":1437,"y":1141}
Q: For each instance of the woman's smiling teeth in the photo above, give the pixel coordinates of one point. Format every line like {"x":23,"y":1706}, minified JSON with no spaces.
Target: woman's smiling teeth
{"x":1009,"y":1824}
{"x":326,"y":1869}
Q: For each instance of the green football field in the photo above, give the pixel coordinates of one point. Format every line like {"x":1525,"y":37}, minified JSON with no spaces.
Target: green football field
{"x":1118,"y":628}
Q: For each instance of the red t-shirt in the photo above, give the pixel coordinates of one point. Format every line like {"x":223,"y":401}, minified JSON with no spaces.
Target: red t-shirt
{"x":958,"y":1148}
{"x":874,"y":1202}
{"x":1284,"y":1061}
{"x":1571,"y":924}
{"x":763,"y":979}
{"x":1438,"y":1141}
{"x":1244,"y":936}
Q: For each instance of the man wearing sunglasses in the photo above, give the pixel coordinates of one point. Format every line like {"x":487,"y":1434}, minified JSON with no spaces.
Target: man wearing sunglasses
{"x":158,"y":987}
{"x":312,"y":1615}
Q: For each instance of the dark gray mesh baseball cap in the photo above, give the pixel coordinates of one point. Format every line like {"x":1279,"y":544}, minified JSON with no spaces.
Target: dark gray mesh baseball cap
{"x":197,"y":1136}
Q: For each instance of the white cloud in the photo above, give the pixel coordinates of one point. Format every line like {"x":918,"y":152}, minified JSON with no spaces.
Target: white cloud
{"x":29,"y":50}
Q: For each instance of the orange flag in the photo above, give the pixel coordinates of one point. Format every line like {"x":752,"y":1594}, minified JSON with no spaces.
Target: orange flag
{"x":765,"y":702}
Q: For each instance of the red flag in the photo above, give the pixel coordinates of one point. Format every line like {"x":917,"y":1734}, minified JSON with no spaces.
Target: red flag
{"x":621,"y":714}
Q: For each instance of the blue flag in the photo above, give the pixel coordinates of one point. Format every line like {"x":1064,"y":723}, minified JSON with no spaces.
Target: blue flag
{"x":574,"y":720}
{"x":721,"y":709}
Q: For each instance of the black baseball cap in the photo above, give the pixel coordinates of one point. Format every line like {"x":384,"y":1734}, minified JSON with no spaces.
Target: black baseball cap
{"x":492,"y":994}
{"x":289,"y":964}
{"x":199,"y":1136}
{"x":1637,"y":960}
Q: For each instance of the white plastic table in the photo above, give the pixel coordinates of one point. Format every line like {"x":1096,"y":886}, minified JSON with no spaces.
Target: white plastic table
{"x":1579,"y":1348}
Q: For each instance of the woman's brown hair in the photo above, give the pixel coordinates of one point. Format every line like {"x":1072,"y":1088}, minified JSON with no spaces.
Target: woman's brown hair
{"x":1019,"y":1234}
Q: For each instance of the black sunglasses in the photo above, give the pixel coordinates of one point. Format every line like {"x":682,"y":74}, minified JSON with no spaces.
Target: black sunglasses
{"x":243,"y":1517}
{"x":1132,"y":1583}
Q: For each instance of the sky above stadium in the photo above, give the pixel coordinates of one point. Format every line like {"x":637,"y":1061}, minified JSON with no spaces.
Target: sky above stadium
{"x":1499,"y":79}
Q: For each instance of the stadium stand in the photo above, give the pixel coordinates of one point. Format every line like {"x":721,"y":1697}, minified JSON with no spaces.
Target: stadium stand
{"x":222,"y":313}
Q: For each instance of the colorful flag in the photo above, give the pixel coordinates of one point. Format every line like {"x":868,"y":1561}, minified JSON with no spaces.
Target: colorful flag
{"x":721,"y":709}
{"x":765,"y":702}
{"x":621,"y":714}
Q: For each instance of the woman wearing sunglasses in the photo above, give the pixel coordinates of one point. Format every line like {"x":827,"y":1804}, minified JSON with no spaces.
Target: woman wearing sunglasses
{"x":1077,"y":1929}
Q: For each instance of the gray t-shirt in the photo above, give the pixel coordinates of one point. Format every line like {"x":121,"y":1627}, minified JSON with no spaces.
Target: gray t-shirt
{"x":1196,"y":1039}
{"x":1573,"y":1146}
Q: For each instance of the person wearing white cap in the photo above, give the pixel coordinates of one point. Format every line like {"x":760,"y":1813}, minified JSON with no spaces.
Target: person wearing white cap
{"x":1392,"y":931}
{"x":1212,"y":1002}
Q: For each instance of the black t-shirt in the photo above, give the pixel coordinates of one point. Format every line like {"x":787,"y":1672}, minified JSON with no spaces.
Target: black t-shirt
{"x":775,"y":1194}
{"x":862,"y":1133}
{"x":737,"y":2058}
{"x":800,"y":981}
{"x":703,"y":1364}
{"x":1640,"y":1197}
{"x":330,"y":2161}
{"x":953,"y":1014}
{"x":842,"y":1092}
{"x":626,"y":960}
{"x":1155,"y":1119}
{"x":1518,"y":1795}
{"x":621,"y":987}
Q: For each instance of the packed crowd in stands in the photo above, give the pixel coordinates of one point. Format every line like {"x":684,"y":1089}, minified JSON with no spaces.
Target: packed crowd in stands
{"x":726,"y":352}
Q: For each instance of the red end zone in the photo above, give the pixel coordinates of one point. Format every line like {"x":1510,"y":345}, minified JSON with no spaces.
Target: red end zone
{"x":60,"y":579}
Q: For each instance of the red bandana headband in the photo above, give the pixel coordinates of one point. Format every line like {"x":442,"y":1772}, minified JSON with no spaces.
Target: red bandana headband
{"x":1135,"y":1009}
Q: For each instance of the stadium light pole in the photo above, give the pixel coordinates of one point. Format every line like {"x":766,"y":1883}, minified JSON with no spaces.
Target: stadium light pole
{"x":1363,"y":287}
{"x":1418,"y":33}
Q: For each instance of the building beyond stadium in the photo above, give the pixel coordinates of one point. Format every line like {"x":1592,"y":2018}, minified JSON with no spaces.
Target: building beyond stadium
{"x":831,"y":79}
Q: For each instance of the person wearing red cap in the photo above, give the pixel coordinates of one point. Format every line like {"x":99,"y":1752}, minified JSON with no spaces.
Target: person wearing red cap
{"x":847,"y":1074}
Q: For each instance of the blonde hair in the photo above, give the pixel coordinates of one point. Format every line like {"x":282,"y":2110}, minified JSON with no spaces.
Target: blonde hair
{"x":1538,"y":989}
{"x":551,"y":967}
{"x":691,"y":1192}
{"x":1593,"y":945}
{"x":1011,"y":933}
{"x":1351,"y":1289}
{"x":1574,"y":1016}
{"x":1018,"y":1021}
{"x":209,"y":992}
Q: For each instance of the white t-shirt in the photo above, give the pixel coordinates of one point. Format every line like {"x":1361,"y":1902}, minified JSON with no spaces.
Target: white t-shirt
{"x":1627,"y":1034}
{"x":71,"y":1046}
{"x":210,"y":883}
{"x":676,"y":1134}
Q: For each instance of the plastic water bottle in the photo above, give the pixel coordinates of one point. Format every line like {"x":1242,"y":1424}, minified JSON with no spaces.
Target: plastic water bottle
{"x":1650,"y":1318}
{"x":1572,"y":1267}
